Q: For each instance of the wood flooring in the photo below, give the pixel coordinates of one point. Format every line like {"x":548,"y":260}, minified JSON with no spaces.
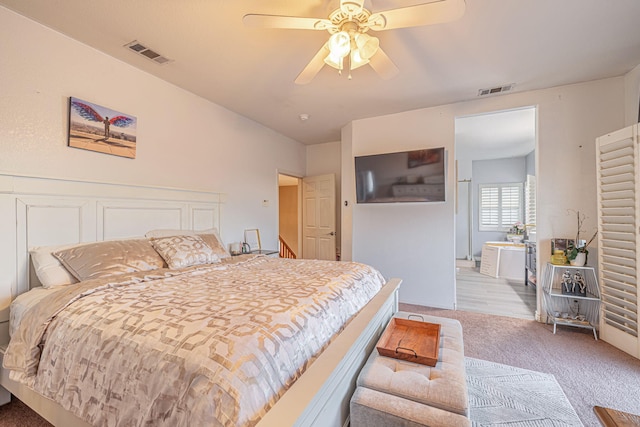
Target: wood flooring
{"x":483,"y":294}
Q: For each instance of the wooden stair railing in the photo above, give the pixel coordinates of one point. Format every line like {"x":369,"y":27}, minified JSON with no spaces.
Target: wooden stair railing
{"x":285,"y":250}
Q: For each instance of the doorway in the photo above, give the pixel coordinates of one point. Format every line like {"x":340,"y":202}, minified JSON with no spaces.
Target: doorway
{"x":289,"y":216}
{"x":307,"y":217}
{"x":496,"y":168}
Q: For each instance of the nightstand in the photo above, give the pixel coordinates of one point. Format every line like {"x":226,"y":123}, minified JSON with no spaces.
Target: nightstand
{"x":268,"y":252}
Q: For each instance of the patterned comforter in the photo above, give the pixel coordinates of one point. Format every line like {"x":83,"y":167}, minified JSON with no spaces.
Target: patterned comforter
{"x":208,"y":346}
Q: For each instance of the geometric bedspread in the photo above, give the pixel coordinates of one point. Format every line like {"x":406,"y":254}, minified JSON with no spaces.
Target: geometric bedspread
{"x":211,"y":345}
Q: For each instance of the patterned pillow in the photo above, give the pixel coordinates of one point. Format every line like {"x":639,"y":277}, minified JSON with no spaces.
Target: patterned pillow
{"x":102,"y":259}
{"x":184,"y":251}
{"x":211,"y":237}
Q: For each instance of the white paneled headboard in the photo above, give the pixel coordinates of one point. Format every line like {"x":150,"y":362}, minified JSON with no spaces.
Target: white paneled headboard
{"x":37,"y":211}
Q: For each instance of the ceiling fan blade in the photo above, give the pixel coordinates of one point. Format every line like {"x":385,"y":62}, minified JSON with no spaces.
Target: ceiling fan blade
{"x":434,"y":12}
{"x":313,"y":67}
{"x":288,"y":22}
{"x":383,"y":65}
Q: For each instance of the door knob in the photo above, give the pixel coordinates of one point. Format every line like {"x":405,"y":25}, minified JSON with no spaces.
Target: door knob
{"x":333,"y":233}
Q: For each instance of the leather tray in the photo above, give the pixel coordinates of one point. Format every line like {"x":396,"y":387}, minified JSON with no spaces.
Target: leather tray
{"x":411,"y":340}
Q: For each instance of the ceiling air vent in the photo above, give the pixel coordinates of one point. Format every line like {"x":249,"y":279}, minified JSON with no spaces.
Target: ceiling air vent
{"x":141,"y":49}
{"x":495,"y":90}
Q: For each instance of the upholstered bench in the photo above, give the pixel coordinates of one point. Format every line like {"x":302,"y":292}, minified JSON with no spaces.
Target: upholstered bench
{"x":392,"y":392}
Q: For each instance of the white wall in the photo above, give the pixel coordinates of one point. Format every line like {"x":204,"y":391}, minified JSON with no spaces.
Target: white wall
{"x":632,"y":96}
{"x":416,"y":243}
{"x":323,"y":159}
{"x":408,"y":240}
{"x":184,"y":141}
{"x":348,"y":192}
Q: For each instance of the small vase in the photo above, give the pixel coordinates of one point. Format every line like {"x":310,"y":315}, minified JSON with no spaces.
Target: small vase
{"x":579,"y":260}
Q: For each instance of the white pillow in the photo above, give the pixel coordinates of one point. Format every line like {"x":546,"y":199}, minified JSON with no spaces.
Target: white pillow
{"x":49,"y":270}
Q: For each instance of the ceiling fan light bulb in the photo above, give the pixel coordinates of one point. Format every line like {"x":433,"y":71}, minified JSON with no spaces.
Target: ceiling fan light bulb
{"x":340,"y":44}
{"x":367,"y":45}
{"x":334,"y":61}
{"x":357,"y":61}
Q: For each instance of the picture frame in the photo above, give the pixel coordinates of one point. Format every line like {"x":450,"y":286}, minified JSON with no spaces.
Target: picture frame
{"x":96,"y":128}
{"x":561,"y":244}
{"x":252,"y":238}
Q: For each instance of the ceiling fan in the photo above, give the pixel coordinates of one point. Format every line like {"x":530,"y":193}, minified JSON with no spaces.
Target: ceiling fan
{"x":348,"y":26}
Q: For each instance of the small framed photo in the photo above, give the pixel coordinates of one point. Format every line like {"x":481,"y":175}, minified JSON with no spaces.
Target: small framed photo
{"x":561,"y":244}
{"x":252,"y":238}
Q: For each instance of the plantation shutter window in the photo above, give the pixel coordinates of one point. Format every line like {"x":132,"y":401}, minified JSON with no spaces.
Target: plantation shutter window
{"x":500,"y":206}
{"x":618,"y":169}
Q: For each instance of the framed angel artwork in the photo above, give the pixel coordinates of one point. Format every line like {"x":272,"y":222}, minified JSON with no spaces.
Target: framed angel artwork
{"x":97,"y":128}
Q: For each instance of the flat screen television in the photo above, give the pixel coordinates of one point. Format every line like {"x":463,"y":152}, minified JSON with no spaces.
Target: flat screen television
{"x":407,"y":176}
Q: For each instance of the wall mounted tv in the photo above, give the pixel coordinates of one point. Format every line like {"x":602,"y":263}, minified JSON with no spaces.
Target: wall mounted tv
{"x":408,"y":176}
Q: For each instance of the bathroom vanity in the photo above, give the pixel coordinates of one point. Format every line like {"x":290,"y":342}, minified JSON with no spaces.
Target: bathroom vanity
{"x":530,"y":263}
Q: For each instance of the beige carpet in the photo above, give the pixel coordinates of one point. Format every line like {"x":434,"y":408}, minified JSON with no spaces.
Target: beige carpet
{"x":591,"y":373}
{"x":17,"y":414}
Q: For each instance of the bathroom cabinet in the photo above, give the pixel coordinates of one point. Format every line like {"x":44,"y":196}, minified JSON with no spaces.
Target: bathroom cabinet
{"x":530,"y":263}
{"x":571,"y":296}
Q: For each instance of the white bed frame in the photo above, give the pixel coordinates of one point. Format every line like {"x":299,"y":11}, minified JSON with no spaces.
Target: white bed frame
{"x":37,"y":211}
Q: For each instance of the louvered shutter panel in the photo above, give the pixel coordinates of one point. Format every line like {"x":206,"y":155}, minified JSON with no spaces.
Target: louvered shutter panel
{"x":511,"y":205}
{"x":618,"y":237}
{"x":530,"y":201}
{"x":500,"y":206}
{"x":489,"y":207}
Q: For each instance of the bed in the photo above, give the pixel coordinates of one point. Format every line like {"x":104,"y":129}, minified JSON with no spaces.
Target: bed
{"x":312,"y":389}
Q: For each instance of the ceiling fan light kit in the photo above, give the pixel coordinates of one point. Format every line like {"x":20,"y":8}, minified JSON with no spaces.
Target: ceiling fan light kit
{"x":348,"y":26}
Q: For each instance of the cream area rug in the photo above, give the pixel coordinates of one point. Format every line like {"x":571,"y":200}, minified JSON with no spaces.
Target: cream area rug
{"x":501,"y":395}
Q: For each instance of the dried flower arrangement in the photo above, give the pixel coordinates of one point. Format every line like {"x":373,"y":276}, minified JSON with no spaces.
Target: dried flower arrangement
{"x":574,"y":249}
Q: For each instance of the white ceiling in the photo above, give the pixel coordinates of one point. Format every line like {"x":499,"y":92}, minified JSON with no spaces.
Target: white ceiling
{"x":532,"y":43}
{"x":496,"y":135}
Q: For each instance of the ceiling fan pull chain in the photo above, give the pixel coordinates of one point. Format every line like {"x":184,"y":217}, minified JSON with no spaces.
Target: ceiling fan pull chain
{"x":350,"y":67}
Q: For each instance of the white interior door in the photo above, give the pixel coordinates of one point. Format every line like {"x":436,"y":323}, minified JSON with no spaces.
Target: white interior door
{"x":319,"y":217}
{"x":618,"y":232}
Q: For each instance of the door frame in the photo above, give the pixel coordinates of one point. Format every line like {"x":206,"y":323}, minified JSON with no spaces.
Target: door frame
{"x":535,"y":107}
{"x":299,"y":216}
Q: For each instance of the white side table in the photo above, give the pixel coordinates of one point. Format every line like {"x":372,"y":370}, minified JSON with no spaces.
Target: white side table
{"x":571,"y":307}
